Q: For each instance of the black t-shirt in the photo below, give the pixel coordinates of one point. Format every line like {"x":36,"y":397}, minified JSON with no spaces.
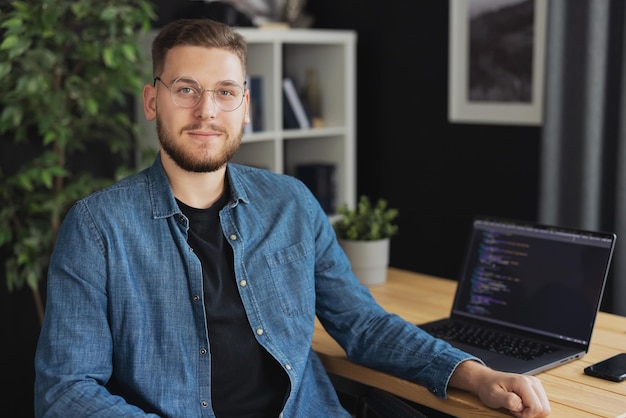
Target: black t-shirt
{"x":247,"y":382}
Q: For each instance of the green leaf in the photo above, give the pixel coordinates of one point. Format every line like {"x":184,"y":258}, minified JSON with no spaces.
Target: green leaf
{"x":12,"y":23}
{"x":11,"y":116}
{"x":49,"y":137}
{"x":21,"y":7}
{"x":47,"y":178}
{"x":25,"y":183}
{"x":5,"y":68}
{"x":32,"y":278}
{"x":79,"y":9}
{"x":108,"y":56}
{"x":22,"y":258}
{"x":92,"y":106}
{"x":9,"y":42}
{"x":5,"y":236}
{"x":109,"y":13}
{"x":19,"y":48}
{"x":129,"y":52}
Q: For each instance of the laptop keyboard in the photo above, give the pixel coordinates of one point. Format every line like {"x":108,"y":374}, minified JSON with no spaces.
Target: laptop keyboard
{"x":492,"y":340}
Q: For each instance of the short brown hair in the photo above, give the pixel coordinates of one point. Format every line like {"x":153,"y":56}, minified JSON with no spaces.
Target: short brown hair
{"x":197,"y":32}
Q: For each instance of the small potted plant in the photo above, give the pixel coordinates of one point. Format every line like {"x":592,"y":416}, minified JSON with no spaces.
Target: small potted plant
{"x":364,"y":234}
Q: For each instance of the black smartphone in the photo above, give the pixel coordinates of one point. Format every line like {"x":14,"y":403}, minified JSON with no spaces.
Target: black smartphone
{"x":613,"y":368}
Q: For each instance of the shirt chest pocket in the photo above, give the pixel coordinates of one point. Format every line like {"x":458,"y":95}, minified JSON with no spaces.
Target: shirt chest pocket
{"x":293,"y":279}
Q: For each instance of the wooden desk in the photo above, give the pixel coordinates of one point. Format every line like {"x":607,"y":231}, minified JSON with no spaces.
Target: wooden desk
{"x":419,"y":298}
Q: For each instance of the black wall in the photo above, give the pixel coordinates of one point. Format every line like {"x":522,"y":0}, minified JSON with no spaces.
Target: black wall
{"x":438,"y":174}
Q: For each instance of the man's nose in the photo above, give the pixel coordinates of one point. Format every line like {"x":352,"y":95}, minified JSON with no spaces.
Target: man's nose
{"x":207,"y":108}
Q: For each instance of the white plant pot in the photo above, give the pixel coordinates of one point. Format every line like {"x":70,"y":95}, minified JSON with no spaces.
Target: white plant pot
{"x":369,"y":259}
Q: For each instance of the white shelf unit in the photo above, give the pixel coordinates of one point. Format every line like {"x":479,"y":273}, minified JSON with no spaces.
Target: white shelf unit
{"x":277,"y":53}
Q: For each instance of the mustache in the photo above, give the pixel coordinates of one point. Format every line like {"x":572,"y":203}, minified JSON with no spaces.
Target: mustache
{"x":199,"y":126}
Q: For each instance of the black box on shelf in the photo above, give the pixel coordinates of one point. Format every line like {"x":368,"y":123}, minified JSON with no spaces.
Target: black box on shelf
{"x":320,"y":178}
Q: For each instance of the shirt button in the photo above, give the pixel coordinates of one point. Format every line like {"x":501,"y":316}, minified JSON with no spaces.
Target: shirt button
{"x":232,"y":237}
{"x":288,"y":366}
{"x":204,"y":404}
{"x":259,"y":331}
{"x":203,"y":351}
{"x":243,"y":283}
{"x":196,"y":298}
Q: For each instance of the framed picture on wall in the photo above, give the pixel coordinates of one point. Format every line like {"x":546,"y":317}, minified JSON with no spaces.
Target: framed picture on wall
{"x":496,"y":61}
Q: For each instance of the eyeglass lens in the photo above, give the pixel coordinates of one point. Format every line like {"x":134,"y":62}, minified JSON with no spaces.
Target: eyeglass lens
{"x":187,"y":92}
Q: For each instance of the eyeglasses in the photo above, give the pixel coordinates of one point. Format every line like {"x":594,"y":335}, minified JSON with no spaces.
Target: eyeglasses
{"x":187,"y":92}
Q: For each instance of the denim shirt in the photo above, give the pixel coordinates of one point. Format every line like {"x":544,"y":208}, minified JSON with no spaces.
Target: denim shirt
{"x":125,"y":332}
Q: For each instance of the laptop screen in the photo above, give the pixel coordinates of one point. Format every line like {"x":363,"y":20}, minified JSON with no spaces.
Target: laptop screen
{"x":543,"y":279}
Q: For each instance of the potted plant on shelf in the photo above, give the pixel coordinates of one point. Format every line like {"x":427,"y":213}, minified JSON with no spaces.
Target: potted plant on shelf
{"x":68,"y":72}
{"x":365,"y":234}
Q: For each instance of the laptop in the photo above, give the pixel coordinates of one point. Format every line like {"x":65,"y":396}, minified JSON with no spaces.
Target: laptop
{"x":528,"y":294}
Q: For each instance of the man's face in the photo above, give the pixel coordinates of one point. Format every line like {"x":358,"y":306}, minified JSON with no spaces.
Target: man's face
{"x":201,"y":138}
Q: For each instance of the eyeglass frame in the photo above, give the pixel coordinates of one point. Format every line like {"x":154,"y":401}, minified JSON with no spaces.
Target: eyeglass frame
{"x":202,"y":90}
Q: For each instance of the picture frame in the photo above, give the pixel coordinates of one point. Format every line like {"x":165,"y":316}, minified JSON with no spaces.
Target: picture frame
{"x":496,"y":77}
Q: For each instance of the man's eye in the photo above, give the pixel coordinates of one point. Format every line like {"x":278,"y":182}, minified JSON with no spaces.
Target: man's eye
{"x":224,"y":93}
{"x":186,"y":91}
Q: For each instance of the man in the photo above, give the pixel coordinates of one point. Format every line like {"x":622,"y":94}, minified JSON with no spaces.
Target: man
{"x":191,"y":288}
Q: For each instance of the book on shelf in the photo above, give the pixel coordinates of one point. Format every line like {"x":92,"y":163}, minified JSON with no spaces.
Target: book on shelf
{"x":320,"y":178}
{"x":255,"y":85}
{"x":247,"y":129}
{"x":256,"y":103}
{"x":296,"y":105}
{"x":289,"y":117}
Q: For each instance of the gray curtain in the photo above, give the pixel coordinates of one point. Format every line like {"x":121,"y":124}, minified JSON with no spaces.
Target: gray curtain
{"x":583,"y":156}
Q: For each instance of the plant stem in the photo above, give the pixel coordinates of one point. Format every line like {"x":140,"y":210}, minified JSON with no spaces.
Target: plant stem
{"x":38,"y":305}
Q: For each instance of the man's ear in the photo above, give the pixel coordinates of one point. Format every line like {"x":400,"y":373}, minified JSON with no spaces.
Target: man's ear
{"x":247,"y":104}
{"x":149,"y":101}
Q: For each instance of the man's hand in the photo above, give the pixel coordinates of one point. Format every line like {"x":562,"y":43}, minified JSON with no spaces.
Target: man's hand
{"x":523,"y":395}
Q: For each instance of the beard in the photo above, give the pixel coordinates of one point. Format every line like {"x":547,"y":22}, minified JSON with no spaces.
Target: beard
{"x":203,"y":161}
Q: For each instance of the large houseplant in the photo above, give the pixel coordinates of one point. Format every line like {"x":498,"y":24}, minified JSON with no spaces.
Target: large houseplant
{"x":364,"y":232}
{"x":68,"y":73}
